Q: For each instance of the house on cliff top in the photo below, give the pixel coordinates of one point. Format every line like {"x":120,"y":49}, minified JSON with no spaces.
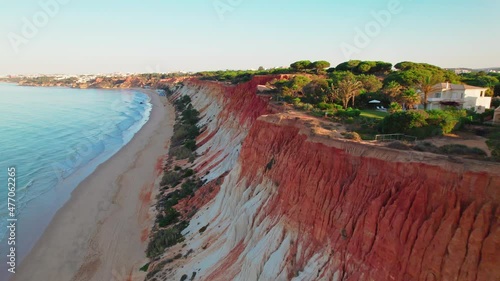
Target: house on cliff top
{"x":460,"y":96}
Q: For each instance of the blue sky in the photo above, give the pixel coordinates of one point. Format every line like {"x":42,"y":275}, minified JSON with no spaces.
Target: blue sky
{"x":90,"y":36}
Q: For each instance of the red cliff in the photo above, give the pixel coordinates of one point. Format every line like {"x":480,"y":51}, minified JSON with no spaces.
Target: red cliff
{"x":297,"y":205}
{"x":386,"y":218}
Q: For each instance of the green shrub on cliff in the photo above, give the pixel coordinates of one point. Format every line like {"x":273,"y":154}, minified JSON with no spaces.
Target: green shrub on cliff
{"x":325,"y":106}
{"x":458,"y":149}
{"x":180,"y":134}
{"x":348,"y":112}
{"x":145,"y":267}
{"x":422,"y":124}
{"x":170,"y":179}
{"x":180,"y":152}
{"x":426,"y":147}
{"x":447,"y":120}
{"x":183,"y":133}
{"x":450,"y":149}
{"x":401,"y":122}
{"x":168,"y":201}
{"x":188,"y":173}
{"x":181,"y":103}
{"x":190,"y":115}
{"x":188,"y":188}
{"x":165,"y":238}
{"x":171,"y":216}
{"x":183,"y":142}
{"x":291,"y":87}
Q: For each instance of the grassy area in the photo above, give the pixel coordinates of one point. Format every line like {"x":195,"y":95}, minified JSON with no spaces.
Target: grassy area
{"x":374,"y":114}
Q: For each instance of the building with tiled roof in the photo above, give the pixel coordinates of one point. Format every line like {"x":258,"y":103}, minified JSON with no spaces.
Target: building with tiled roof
{"x":459,"y":96}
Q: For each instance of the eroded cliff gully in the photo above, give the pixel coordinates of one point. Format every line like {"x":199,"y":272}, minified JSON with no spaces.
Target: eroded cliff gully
{"x":283,"y":203}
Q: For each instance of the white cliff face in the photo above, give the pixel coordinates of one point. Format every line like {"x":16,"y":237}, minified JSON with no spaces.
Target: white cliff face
{"x":233,"y":225}
{"x":227,"y":134}
{"x":241,"y":241}
{"x":237,"y":228}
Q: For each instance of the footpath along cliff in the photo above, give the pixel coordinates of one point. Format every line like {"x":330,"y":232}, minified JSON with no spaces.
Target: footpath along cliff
{"x":285,"y":199}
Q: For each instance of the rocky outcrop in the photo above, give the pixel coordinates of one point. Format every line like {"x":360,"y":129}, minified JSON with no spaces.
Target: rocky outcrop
{"x":292,"y":204}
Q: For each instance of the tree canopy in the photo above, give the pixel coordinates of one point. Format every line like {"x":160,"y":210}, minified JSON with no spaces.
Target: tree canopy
{"x":316,"y":91}
{"x":410,"y":74}
{"x":347,"y":89}
{"x":320,"y":66}
{"x":293,"y":86}
{"x":302,"y":65}
{"x":481,"y":79}
{"x":365,"y":67}
{"x":370,"y":82}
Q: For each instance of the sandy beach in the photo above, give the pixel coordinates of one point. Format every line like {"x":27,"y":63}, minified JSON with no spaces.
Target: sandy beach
{"x":101,"y":232}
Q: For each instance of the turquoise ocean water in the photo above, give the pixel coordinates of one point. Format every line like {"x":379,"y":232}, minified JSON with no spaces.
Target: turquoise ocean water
{"x":55,"y":137}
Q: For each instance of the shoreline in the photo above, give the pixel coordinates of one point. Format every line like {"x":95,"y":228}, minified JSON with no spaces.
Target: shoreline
{"x":101,"y":231}
{"x":37,"y":216}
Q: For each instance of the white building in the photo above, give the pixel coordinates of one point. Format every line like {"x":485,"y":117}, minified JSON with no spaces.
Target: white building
{"x":462,"y":71}
{"x":460,"y":96}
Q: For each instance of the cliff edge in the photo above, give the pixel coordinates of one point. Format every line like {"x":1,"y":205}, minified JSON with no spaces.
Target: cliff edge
{"x":287,"y":199}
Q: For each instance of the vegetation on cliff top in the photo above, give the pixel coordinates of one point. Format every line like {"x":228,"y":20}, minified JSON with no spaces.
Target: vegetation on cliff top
{"x":342,"y":93}
{"x":239,"y":76}
{"x":449,"y":149}
{"x":368,"y":80}
{"x":423,"y":124}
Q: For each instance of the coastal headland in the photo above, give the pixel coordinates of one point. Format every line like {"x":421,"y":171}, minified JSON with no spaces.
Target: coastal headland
{"x":260,"y":191}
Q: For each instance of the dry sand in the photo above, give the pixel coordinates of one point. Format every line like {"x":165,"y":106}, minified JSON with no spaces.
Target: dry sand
{"x":101,"y":232}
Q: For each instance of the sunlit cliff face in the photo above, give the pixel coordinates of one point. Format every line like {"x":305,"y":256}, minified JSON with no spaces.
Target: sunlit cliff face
{"x":287,"y":204}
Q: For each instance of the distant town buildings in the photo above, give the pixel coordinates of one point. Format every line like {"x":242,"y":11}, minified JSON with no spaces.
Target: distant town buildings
{"x":470,"y":70}
{"x":462,"y":70}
